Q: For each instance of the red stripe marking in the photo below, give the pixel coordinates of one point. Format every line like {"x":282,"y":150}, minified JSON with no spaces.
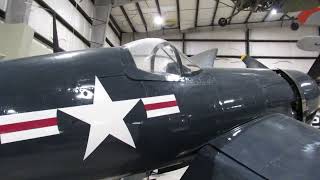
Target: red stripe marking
{"x":160,"y":105}
{"x":28,"y":125}
{"x":304,"y":15}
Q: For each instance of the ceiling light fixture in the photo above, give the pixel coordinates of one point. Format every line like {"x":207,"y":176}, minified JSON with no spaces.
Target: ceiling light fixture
{"x":158,"y":20}
{"x":274,"y":11}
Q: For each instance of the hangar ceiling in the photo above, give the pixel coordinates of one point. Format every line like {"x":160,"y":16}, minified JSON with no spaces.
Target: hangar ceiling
{"x":183,"y":14}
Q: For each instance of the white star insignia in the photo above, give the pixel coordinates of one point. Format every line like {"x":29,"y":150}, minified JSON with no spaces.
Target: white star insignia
{"x":105,"y":117}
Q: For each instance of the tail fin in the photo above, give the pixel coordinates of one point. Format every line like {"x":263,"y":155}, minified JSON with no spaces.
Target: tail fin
{"x":205,"y":59}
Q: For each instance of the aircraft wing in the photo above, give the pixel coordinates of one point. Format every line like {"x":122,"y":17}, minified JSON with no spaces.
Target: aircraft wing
{"x":205,"y":59}
{"x":271,"y":147}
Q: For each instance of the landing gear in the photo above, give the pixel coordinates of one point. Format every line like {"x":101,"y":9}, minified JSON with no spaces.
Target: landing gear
{"x":294,"y":26}
{"x":223,"y":22}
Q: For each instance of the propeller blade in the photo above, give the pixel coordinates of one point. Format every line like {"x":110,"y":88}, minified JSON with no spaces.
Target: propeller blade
{"x":253,"y":63}
{"x":314,"y":71}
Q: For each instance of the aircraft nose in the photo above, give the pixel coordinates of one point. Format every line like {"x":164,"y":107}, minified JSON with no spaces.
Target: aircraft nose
{"x":309,"y":91}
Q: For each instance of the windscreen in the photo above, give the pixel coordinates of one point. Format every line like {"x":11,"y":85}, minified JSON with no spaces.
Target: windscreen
{"x":158,"y":56}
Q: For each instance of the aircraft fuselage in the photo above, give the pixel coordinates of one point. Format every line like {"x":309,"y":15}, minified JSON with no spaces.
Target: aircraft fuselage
{"x":207,"y":104}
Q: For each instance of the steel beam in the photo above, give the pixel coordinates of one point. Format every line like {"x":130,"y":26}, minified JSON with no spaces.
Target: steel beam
{"x":81,"y":11}
{"x":232,"y":14}
{"x":215,"y":12}
{"x":142,"y":17}
{"x":178,"y":14}
{"x":209,"y":28}
{"x":266,"y":16}
{"x":247,"y":36}
{"x":183,"y":43}
{"x":128,"y":19}
{"x":248,"y":17}
{"x":117,"y":3}
{"x":109,"y":42}
{"x":158,"y":7}
{"x":45,"y":41}
{"x":114,"y":30}
{"x":197,"y":13}
{"x":114,"y":22}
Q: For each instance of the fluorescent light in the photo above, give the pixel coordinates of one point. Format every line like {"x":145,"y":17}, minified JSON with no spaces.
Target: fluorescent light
{"x":274,"y":11}
{"x":158,"y":20}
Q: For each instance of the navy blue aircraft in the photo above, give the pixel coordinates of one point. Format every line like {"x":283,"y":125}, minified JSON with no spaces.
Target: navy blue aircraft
{"x":115,"y":112}
{"x":313,"y":72}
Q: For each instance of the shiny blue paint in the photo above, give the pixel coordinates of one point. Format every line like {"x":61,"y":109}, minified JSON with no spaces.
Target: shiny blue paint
{"x":211,"y":102}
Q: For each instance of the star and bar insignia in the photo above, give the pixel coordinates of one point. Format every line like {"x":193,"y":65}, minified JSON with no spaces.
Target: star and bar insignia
{"x":105,"y":117}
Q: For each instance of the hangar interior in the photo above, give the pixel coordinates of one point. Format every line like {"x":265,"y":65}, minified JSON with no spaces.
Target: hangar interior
{"x":192,"y":26}
{"x":26,"y":29}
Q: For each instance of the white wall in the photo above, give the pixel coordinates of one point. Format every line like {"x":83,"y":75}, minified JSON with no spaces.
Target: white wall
{"x":278,"y":49}
{"x":65,"y":9}
{"x":221,"y":34}
{"x":239,"y":48}
{"x":228,"y":63}
{"x":69,"y":13}
{"x":112,"y":36}
{"x":87,"y":6}
{"x":37,"y":48}
{"x":224,"y":48}
{"x":15,"y":40}
{"x":283,"y":49}
{"x":257,"y":48}
{"x":41,"y":22}
{"x":284,"y":33}
{"x":128,"y":37}
{"x":302,"y":65}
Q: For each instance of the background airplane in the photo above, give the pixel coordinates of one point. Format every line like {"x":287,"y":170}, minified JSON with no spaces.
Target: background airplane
{"x":283,"y":6}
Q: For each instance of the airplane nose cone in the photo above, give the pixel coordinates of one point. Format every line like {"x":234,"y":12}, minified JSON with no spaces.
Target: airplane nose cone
{"x":308,"y":89}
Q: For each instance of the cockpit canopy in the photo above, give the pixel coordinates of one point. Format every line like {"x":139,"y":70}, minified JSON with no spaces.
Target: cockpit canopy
{"x":160,"y":57}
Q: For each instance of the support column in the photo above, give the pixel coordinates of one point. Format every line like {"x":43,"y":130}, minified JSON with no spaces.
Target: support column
{"x":18,"y":11}
{"x":102,"y":10}
{"x":183,"y":43}
{"x":247,"y":42}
